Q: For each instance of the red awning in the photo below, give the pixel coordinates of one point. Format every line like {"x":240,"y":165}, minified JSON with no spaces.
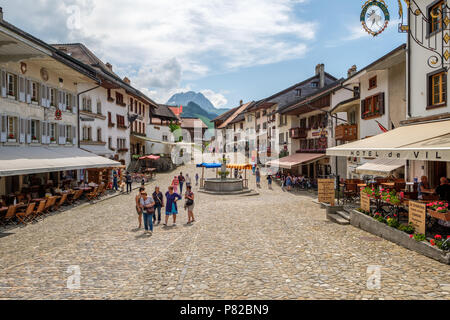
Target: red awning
{"x":152,"y":157}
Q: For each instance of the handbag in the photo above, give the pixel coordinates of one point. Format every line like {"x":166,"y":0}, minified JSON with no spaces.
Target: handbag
{"x":189,"y":202}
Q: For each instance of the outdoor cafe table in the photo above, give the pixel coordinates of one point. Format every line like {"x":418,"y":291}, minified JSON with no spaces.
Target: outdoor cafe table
{"x":388,"y":184}
{"x":38,"y":200}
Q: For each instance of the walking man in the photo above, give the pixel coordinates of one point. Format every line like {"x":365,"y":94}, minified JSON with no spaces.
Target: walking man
{"x":188,"y":180}
{"x":269,"y":181}
{"x":171,"y":205}
{"x":181,"y":179}
{"x":129,"y":182}
{"x":159,"y":203}
{"x":258,"y":178}
{"x":115,"y":184}
{"x":147,"y":205}
{"x":196,"y":179}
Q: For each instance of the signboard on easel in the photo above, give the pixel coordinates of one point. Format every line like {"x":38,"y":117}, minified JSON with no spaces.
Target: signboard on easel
{"x":417,"y":216}
{"x":326,"y":191}
{"x":365,"y":202}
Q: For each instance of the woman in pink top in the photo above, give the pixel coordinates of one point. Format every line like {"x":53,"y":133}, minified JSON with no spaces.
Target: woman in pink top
{"x":175,"y":184}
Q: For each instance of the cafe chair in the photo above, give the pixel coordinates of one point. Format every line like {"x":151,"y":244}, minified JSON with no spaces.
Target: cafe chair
{"x":24,"y":216}
{"x":39,"y":211}
{"x":10,"y":215}
{"x":61,"y":202}
{"x":93,"y":195}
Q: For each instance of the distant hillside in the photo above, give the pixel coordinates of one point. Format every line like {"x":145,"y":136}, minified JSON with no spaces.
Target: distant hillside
{"x":183,"y":99}
{"x":195,"y":111}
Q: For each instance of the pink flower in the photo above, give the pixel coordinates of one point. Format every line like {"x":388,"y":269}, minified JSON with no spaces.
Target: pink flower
{"x":411,"y":236}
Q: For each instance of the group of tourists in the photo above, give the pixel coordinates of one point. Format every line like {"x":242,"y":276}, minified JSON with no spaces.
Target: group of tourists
{"x":290,"y":182}
{"x":149,"y":207}
{"x":181,"y":180}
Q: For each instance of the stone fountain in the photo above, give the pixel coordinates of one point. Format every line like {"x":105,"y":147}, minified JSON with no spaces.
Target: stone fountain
{"x":224,"y":185}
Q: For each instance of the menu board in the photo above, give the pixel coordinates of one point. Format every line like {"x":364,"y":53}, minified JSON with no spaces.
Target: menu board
{"x":417,"y":215}
{"x":326,"y":191}
{"x":365,"y":202}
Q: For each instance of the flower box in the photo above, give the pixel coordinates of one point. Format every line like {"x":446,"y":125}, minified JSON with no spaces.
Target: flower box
{"x":12,"y":140}
{"x":34,"y":141}
{"x":439,"y":215}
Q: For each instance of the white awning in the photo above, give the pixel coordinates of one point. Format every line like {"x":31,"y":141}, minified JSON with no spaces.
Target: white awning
{"x":295,"y":160}
{"x":98,"y":150}
{"x":28,"y":160}
{"x":426,"y":141}
{"x":380,"y":167}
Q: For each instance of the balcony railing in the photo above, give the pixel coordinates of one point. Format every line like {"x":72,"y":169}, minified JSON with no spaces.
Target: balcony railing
{"x":298,"y":133}
{"x":347,"y":132}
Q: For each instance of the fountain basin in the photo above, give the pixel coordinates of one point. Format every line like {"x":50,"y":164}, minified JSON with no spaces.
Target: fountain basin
{"x":224,"y":185}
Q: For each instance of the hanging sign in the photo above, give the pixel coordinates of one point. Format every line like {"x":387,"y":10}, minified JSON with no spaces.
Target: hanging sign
{"x":58,"y":114}
{"x":375,"y":17}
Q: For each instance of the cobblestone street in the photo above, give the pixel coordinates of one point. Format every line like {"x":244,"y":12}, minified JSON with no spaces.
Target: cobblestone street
{"x":271,"y":246}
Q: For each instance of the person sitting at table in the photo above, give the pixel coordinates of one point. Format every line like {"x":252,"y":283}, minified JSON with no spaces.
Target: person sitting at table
{"x":443,"y":190}
{"x":424,"y":187}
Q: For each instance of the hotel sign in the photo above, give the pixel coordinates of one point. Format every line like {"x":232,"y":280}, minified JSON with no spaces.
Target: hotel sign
{"x":405,"y":154}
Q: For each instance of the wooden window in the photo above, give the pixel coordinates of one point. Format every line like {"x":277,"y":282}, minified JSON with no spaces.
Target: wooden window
{"x":435,"y":16}
{"x":12,"y":85}
{"x":298,"y":92}
{"x":372,"y":83}
{"x":437,"y":89}
{"x":34,"y":92}
{"x":373,"y":106}
{"x":99,"y":135}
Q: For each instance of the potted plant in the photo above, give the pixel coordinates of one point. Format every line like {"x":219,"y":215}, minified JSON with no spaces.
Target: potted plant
{"x":11,"y":138}
{"x":52,"y":140}
{"x":34,"y":139}
{"x":439,"y":210}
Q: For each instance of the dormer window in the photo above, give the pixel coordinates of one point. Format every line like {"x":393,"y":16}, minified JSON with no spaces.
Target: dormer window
{"x":314,"y":84}
{"x":298,"y":92}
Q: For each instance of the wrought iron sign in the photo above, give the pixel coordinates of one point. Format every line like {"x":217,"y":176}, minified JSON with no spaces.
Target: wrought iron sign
{"x":375,"y":17}
{"x":429,"y":29}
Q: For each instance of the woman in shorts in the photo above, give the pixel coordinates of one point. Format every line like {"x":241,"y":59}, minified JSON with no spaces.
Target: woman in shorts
{"x":189,"y":196}
{"x":138,"y":206}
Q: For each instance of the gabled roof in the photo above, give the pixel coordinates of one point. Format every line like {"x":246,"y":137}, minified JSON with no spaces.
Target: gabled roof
{"x":223,"y":116}
{"x":237,"y":111}
{"x":298,"y":85}
{"x":313,"y":97}
{"x":80,"y":52}
{"x":84,"y":69}
{"x":189,"y":123}
{"x":163,"y":112}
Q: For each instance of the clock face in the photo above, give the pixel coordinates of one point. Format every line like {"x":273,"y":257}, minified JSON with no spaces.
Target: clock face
{"x":375,"y":17}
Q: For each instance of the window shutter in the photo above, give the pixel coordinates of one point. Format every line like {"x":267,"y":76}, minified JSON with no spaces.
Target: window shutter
{"x":28,"y":133}
{"x":43,"y":96}
{"x":22,"y":127}
{"x":382,"y":103}
{"x":444,"y":87}
{"x":74,"y":103}
{"x":3,"y":128}
{"x":363,"y":108}
{"x":74,"y":135}
{"x":44,"y":132}
{"x":22,"y":83}
{"x":29,"y":90}
{"x":3,"y":83}
{"x":47,"y":96}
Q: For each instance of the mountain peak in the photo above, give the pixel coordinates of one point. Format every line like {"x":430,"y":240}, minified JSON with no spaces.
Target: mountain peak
{"x":184,"y":98}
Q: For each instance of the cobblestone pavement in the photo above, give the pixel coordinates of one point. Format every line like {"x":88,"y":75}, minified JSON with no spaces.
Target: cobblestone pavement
{"x":272,"y":246}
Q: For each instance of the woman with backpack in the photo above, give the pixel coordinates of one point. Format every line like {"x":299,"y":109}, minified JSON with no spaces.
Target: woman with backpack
{"x":189,"y":196}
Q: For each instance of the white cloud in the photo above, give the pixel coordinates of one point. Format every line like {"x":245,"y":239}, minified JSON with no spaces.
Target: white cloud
{"x":158,"y":43}
{"x":217,"y":99}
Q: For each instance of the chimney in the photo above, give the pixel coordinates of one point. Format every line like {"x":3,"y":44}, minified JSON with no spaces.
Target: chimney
{"x":241,"y":102}
{"x":109,"y":66}
{"x":352,"y":71}
{"x":1,"y":14}
{"x":127,"y":81}
{"x":320,"y":71}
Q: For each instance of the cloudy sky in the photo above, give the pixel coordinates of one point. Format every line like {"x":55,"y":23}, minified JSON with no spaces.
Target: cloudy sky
{"x":227,"y":49}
